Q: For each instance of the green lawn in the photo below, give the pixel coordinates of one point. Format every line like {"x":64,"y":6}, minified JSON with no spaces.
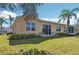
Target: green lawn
{"x":65,"y":45}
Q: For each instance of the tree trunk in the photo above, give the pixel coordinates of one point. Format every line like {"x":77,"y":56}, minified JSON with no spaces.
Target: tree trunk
{"x":10,"y":23}
{"x":10,"y":29}
{"x":1,"y":22}
{"x":68,"y":22}
{"x":1,"y":25}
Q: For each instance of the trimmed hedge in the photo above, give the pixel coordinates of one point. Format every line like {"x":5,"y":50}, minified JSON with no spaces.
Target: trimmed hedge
{"x":77,"y":34}
{"x":21,"y":36}
{"x":65,"y":34}
{"x":62,"y":34}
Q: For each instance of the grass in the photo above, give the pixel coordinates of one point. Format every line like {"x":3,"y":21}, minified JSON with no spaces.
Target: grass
{"x":3,"y":40}
{"x":64,"y":45}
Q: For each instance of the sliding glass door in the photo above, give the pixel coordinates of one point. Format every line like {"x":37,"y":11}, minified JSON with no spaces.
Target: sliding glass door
{"x":46,"y":29}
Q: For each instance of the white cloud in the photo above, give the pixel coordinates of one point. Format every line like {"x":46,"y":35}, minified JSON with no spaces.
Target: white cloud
{"x":6,"y":13}
{"x":50,"y":19}
{"x":72,"y":21}
{"x":78,"y":15}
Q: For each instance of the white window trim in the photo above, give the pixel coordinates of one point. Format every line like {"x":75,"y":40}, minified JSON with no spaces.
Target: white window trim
{"x":30,"y":26}
{"x":59,"y":27}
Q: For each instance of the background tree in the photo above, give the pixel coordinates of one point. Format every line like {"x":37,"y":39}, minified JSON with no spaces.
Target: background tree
{"x":67,"y":14}
{"x":11,"y":20}
{"x":11,"y":7}
{"x":2,"y":20}
{"x":29,"y":9}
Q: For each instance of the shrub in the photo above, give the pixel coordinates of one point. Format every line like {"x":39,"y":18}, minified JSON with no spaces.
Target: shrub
{"x":33,"y":52}
{"x":77,"y":34}
{"x":9,"y":33}
{"x":62,"y":34}
{"x":21,"y":36}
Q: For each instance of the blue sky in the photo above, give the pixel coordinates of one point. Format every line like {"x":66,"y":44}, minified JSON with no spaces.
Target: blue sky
{"x":53,"y":10}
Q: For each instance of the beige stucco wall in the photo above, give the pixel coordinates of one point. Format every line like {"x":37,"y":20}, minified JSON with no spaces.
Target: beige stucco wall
{"x":19,"y":26}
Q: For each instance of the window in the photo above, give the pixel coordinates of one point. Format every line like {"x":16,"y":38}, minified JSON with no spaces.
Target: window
{"x":46,"y":29}
{"x":58,"y":28}
{"x":64,"y":29}
{"x":30,"y":26}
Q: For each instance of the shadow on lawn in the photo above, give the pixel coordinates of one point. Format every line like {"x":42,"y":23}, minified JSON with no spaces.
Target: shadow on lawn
{"x":36,"y":40}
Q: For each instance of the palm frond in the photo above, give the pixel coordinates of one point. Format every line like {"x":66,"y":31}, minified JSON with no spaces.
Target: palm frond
{"x":60,"y":19}
{"x":65,"y":11}
{"x":11,"y":6}
{"x":60,"y":16}
{"x":75,"y":9}
{"x":29,"y":8}
{"x":64,"y":19}
{"x":73,"y":14}
{"x":77,"y":23}
{"x":8,"y":6}
{"x":3,"y":5}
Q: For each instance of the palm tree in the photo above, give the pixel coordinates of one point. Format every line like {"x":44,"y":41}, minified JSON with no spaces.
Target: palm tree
{"x":67,"y":14}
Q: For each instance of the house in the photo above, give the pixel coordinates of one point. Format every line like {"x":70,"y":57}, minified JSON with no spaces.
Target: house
{"x":25,"y":25}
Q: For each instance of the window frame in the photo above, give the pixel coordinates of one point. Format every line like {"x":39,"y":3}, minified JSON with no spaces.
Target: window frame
{"x":58,"y":28}
{"x":31,"y":26}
